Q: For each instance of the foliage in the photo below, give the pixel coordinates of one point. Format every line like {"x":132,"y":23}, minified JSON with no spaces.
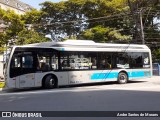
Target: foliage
{"x":32,"y":17}
{"x":3,"y":38}
{"x":72,"y":17}
{"x":16,"y":27}
{"x":103,"y":34}
{"x":156,"y":55}
{"x":2,"y":49}
{"x":98,"y":34}
{"x":15,"y":24}
{"x":29,"y":36}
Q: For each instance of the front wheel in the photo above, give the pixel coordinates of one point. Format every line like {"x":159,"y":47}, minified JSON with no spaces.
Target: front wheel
{"x":50,"y":82}
{"x":122,"y":78}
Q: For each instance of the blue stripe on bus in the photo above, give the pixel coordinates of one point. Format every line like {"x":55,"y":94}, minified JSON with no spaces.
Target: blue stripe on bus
{"x":139,"y":74}
{"x":110,"y":75}
{"x":136,"y":74}
{"x":104,"y":75}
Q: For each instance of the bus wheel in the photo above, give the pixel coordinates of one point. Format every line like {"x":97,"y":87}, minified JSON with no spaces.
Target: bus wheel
{"x":122,"y":78}
{"x":50,"y":82}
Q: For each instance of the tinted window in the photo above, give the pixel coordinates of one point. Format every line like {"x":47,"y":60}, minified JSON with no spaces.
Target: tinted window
{"x":146,"y":60}
{"x":27,"y":60}
{"x":130,"y":60}
{"x":47,"y":61}
{"x":104,"y":60}
{"x":78,"y":60}
{"x":123,"y":60}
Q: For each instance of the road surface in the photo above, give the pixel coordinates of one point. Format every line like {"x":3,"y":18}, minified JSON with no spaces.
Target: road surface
{"x":137,"y":95}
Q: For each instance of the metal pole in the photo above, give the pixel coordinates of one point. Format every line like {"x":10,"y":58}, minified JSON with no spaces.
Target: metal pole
{"x":142,"y":32}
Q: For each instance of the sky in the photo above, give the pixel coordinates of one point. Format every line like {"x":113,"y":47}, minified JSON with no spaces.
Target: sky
{"x":35,"y":3}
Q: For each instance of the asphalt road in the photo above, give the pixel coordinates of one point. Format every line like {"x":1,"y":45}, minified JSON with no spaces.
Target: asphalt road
{"x":137,"y":95}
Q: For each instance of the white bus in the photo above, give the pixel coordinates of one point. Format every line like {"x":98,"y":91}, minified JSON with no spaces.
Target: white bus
{"x":53,"y":64}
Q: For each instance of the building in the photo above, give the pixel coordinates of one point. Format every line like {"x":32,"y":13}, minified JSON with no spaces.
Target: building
{"x":17,"y":6}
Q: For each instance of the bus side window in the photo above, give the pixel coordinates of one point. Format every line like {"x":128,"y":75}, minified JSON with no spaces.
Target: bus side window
{"x":64,"y":63}
{"x":107,"y":64}
{"x":43,"y":65}
{"x":94,"y":63}
{"x":104,"y":61}
{"x":27,"y":61}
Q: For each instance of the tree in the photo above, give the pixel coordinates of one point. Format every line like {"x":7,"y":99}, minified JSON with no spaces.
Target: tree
{"x":156,"y":55}
{"x":98,"y":34}
{"x":103,"y":34}
{"x":17,"y":30}
{"x":72,"y":17}
{"x":148,"y":10}
{"x":30,"y":36}
{"x":32,"y":17}
{"x":15,"y":24}
{"x":54,"y":13}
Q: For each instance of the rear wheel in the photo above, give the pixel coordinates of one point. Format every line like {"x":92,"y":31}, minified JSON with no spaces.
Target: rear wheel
{"x":50,"y":82}
{"x":122,"y":78}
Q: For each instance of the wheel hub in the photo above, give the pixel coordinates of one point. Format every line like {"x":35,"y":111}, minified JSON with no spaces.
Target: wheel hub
{"x":51,"y":82}
{"x":123,"y":78}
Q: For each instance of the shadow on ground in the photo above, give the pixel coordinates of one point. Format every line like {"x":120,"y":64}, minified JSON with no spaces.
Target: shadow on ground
{"x":69,"y":86}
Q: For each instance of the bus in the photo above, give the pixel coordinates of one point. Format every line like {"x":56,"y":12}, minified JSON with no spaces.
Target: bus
{"x":53,"y":64}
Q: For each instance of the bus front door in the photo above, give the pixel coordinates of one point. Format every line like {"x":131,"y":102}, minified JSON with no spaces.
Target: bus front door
{"x":27,"y":79}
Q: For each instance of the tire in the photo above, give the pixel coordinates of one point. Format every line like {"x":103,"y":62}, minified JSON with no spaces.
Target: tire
{"x":122,"y":78}
{"x":50,"y":82}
